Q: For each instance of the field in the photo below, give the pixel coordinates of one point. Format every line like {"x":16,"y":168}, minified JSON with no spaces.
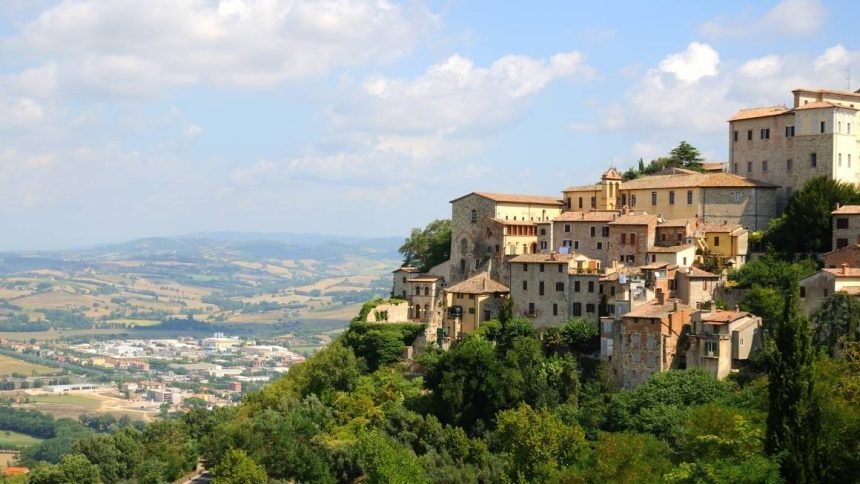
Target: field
{"x":77,"y":400}
{"x":104,"y":401}
{"x":14,"y":440}
{"x":9,"y":365}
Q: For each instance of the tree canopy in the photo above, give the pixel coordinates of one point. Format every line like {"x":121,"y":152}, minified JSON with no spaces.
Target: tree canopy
{"x":428,"y":247}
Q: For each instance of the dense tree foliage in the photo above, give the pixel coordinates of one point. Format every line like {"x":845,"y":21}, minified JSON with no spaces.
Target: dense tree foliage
{"x":429,"y":246}
{"x":808,"y":213}
{"x":684,"y":156}
{"x":837,"y":321}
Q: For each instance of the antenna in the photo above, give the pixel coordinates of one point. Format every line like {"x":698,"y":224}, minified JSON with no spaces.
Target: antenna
{"x":848,"y":76}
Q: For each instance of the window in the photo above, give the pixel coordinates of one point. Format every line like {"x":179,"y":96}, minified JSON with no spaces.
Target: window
{"x":716,"y":241}
{"x":426,"y":291}
{"x":612,"y":291}
{"x":813,"y":160}
{"x":554,"y":309}
{"x":764,"y":133}
{"x":839,"y":127}
{"x":749,"y":135}
{"x":840,"y":243}
{"x":788,"y":164}
{"x":623,"y":238}
{"x":735,"y":136}
{"x":462,"y":265}
{"x":710,"y":348}
{"x":525,"y":285}
{"x":600,"y":246}
{"x":802,"y":291}
{"x":566,"y":243}
{"x":593,"y":202}
{"x":589,"y":308}
{"x":849,"y":160}
{"x":532,"y":308}
{"x":525,"y":267}
{"x":404,"y":280}
{"x":631,"y":259}
{"x":567,"y":227}
{"x":540,"y":267}
{"x":734,"y":167}
{"x":649,"y":342}
{"x":590,"y":286}
{"x":789,"y":131}
{"x":822,"y":127}
{"x":653,"y":198}
{"x":559,"y":286}
{"x":471,"y":310}
{"x":577,"y":309}
{"x":663,"y":237}
{"x":671,"y":198}
{"x":568,"y":203}
{"x":839,"y":158}
{"x":689,"y":197}
{"x":749,"y":167}
{"x":604,"y":231}
{"x":543,"y":245}
{"x":848,"y":128}
{"x":417,"y":291}
{"x":632,"y":238}
{"x":559,"y":268}
{"x":576,"y":286}
{"x":580,"y":202}
{"x":593,"y":231}
{"x":474,"y":216}
{"x":543,"y":231}
{"x":477,"y":264}
{"x":633,"y":200}
{"x":653,"y":257}
{"x":464,"y":246}
{"x":575,"y":245}
{"x":764,"y":166}
{"x":540,"y":288}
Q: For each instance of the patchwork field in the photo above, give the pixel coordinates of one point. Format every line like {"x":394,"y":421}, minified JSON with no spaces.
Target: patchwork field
{"x":14,"y":440}
{"x":9,"y":365}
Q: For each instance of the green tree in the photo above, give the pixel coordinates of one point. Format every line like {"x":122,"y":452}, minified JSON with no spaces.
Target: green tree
{"x":73,"y":468}
{"x":686,"y":156}
{"x":238,"y":468}
{"x":581,"y":335}
{"x":808,"y":213}
{"x":837,"y":321}
{"x":385,"y":461}
{"x":793,"y":421}
{"x":766,"y":302}
{"x":628,"y":457}
{"x":429,"y":246}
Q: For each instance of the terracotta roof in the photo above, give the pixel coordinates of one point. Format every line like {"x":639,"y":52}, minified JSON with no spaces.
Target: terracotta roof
{"x":714,"y":166}
{"x":14,"y":471}
{"x":593,"y":216}
{"x":405,"y":269}
{"x":847,"y":210}
{"x":515,"y":198}
{"x":751,"y":113}
{"x":424,"y":278}
{"x":635,"y":219}
{"x":674,"y":170}
{"x":584,"y":188}
{"x":543,"y":258}
{"x":847,"y":248}
{"x":722,"y":317}
{"x":696,"y":273}
{"x":829,"y":91}
{"x":513,"y":222}
{"x":822,"y":104}
{"x":654,"y":266}
{"x":700,"y":180}
{"x":844,"y":271}
{"x":672,"y":249}
{"x":677,"y":222}
{"x":611,"y":174}
{"x":720,"y":228}
{"x":478,"y":284}
{"x":653,"y":310}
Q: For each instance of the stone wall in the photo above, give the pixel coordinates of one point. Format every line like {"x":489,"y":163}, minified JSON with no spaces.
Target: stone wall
{"x":463,"y":228}
{"x":551,"y":308}
{"x":846,"y":236}
{"x":622,"y":251}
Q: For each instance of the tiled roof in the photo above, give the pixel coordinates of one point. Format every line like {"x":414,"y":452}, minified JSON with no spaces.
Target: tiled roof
{"x":584,"y":188}
{"x":677,"y":222}
{"x":714,"y":166}
{"x":405,"y":269}
{"x":513,"y":222}
{"x":654,"y":266}
{"x":720,"y":228}
{"x":635,"y":219}
{"x":653,"y":310}
{"x":478,"y":284}
{"x":611,"y":174}
{"x":515,"y":198}
{"x":844,"y":271}
{"x":829,"y":91}
{"x":847,"y":248}
{"x":544,"y":258}
{"x":672,"y":249}
{"x":425,"y":278}
{"x":700,"y":180}
{"x":696,"y":273}
{"x":594,"y":216}
{"x":674,"y":170}
{"x":722,"y":317}
{"x":751,"y":113}
{"x":847,"y":210}
{"x":820,"y":105}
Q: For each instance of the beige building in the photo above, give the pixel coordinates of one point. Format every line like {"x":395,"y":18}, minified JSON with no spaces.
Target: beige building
{"x":475,"y":236}
{"x":727,"y":242}
{"x":693,"y":286}
{"x":679,"y":255}
{"x":585,"y":233}
{"x":400,"y":287}
{"x":471,"y":302}
{"x":425,"y":298}
{"x":646,"y":340}
{"x":539,"y":287}
{"x":817,"y":136}
{"x":846,"y":226}
{"x":721,"y":340}
{"x":630,"y":237}
{"x":600,"y":196}
{"x":825,"y":282}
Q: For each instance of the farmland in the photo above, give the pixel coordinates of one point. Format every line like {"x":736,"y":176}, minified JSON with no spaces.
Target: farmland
{"x":9,"y":365}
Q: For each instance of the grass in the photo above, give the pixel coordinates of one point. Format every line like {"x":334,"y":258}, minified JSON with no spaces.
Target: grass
{"x":76,"y":400}
{"x":15,"y":440}
{"x":9,"y":365}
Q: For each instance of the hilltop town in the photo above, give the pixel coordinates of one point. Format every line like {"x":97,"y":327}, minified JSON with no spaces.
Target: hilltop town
{"x":646,"y":259}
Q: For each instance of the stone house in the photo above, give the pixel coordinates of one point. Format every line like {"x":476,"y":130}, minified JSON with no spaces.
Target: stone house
{"x":539,"y":287}
{"x":585,"y":289}
{"x":400,"y":286}
{"x":646,"y":340}
{"x":675,"y":231}
{"x":585,"y":233}
{"x":473,"y":240}
{"x":825,"y":282}
{"x":471,"y":302}
{"x":721,"y":340}
{"x":630,"y":236}
{"x":788,"y":146}
{"x":846,"y":225}
{"x":693,"y":286}
{"x":727,"y":242}
{"x":600,"y":196}
{"x":425,"y":298}
{"x":848,"y":255}
{"x":679,"y":255}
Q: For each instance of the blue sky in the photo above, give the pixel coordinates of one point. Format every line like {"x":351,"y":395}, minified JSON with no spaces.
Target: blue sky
{"x":127,"y":119}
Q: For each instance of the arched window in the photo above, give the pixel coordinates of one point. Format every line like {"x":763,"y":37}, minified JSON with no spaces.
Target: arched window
{"x":462,"y":265}
{"x":426,"y":307}
{"x":426,"y":291}
{"x":417,"y":311}
{"x":417,"y":291}
{"x":464,"y":246}
{"x":474,"y":216}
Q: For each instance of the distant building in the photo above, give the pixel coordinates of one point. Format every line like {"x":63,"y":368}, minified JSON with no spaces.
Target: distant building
{"x":826,"y":282}
{"x":471,"y":302}
{"x":848,"y":255}
{"x":721,"y":340}
{"x":846,"y":225}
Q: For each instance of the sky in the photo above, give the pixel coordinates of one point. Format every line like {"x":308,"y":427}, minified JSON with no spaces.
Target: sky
{"x":122,"y":119}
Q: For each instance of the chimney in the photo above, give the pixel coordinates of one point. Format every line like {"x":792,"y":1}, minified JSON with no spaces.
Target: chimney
{"x":675,"y":305}
{"x":844,"y":269}
{"x":660,"y":298}
{"x":737,"y":308}
{"x":552,"y":255}
{"x":713,"y":307}
{"x":837,"y":206}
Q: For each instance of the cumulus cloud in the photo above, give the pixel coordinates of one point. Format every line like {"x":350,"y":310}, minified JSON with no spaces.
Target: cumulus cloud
{"x":787,"y":18}
{"x":698,"y":61}
{"x":133,"y":48}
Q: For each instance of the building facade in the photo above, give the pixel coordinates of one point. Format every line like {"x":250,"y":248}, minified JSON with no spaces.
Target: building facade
{"x":846,"y":226}
{"x":721,"y":340}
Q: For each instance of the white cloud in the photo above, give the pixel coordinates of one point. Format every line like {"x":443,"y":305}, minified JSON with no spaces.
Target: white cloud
{"x":192,"y":131}
{"x":766,"y":66}
{"x":698,"y":61}
{"x":133,"y":48}
{"x":787,"y":18}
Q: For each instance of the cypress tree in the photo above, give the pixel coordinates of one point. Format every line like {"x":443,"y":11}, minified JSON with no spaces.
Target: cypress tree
{"x":792,"y":422}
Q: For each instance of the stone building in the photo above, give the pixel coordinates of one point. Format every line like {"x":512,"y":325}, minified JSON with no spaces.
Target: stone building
{"x":693,"y":286}
{"x":846,"y":226}
{"x":538,"y":284}
{"x":584,"y":288}
{"x":474,"y":239}
{"x":600,"y":196}
{"x":825,"y":282}
{"x":425,"y":298}
{"x":471,"y":302}
{"x":676,"y":231}
{"x":400,"y":287}
{"x":646,"y":340}
{"x":817,"y":136}
{"x":630,"y":236}
{"x":848,"y":255}
{"x":727,"y":242}
{"x":679,"y":255}
{"x":721,"y":340}
{"x":585,"y":233}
